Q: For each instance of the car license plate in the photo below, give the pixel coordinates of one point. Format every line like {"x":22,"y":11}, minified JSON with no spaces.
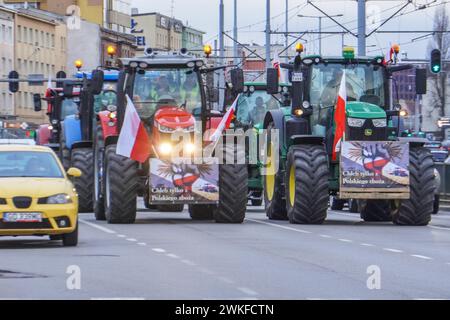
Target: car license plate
{"x":297,"y":77}
{"x":22,"y":217}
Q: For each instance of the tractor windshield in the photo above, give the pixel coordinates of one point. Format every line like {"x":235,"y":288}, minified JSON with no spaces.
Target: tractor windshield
{"x":252,"y":107}
{"x":365,"y":83}
{"x":69,"y":107}
{"x":108,"y":97}
{"x":157,"y":88}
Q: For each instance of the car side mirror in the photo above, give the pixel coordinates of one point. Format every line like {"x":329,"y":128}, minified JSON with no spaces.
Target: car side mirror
{"x":273,"y":84}
{"x":97,"y":82}
{"x":74,"y":172}
{"x":237,"y":80}
{"x":37,"y":102}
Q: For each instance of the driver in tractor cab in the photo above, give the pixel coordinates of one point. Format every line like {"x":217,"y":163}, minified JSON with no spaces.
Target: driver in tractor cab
{"x":162,"y":88}
{"x":259,"y":111}
{"x":189,"y":92}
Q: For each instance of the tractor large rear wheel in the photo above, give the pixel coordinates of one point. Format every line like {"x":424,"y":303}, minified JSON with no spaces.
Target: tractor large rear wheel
{"x":417,"y":210}
{"x":121,"y":186}
{"x":375,"y":210}
{"x":233,"y":188}
{"x":99,"y":148}
{"x":307,"y":184}
{"x":83,"y":159}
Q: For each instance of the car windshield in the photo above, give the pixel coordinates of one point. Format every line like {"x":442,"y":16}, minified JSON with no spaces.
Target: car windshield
{"x":252,"y":107}
{"x":29,"y":164}
{"x":166,"y":87}
{"x":13,"y":134}
{"x":69,"y":107}
{"x":365,"y":83}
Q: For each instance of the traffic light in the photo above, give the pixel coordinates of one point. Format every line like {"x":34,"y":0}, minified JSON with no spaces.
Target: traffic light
{"x":13,"y":86}
{"x":436,"y":61}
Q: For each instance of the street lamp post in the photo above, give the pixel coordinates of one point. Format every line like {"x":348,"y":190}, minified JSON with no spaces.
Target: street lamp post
{"x":320,"y":25}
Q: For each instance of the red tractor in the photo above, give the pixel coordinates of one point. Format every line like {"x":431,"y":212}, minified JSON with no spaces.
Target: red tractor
{"x":173,"y":94}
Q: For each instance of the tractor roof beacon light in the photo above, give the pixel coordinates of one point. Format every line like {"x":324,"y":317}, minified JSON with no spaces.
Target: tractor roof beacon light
{"x":348,"y":53}
{"x":299,"y":48}
{"x":111,"y":51}
{"x":78,"y":64}
{"x":207,"y":49}
{"x":436,"y":61}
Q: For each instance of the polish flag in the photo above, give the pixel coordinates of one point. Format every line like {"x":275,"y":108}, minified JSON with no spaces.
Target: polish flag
{"x":339,"y":117}
{"x":225,"y":123}
{"x":134,"y":142}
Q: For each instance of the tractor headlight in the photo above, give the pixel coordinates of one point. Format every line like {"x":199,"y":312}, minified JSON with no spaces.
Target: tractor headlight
{"x":165,"y":129}
{"x":59,"y":199}
{"x":379,"y":123}
{"x":355,"y":122}
{"x":165,"y":148}
{"x":189,"y":148}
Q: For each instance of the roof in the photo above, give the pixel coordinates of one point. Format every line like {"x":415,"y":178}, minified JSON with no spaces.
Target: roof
{"x":173,"y":58}
{"x":18,"y":148}
{"x":342,"y":59}
{"x":30,"y":142}
{"x":109,"y":75}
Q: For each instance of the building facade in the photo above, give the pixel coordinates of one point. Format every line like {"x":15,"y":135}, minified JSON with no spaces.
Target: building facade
{"x":157,"y":31}
{"x":40,"y":48}
{"x":192,"y":39}
{"x":6,"y":59}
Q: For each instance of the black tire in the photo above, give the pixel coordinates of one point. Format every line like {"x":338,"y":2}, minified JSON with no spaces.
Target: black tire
{"x":336,"y":204}
{"x":202,"y":212}
{"x":170,"y":208}
{"x":233,"y":188}
{"x":375,"y":210}
{"x":71,"y":239}
{"x":83,"y":159}
{"x":417,"y":210}
{"x":257,"y":203}
{"x":274,"y":200}
{"x":99,"y":188}
{"x":307,"y":201}
{"x":121,"y":185}
{"x":436,"y":204}
{"x":353,"y":206}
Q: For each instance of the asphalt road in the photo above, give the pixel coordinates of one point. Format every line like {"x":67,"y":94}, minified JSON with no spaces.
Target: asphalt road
{"x":168,"y":256}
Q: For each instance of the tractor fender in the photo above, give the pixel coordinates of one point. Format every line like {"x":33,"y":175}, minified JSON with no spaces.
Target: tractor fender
{"x":413,"y":141}
{"x":277,"y":118}
{"x":111,"y":140}
{"x":72,"y":130}
{"x":82,"y":145}
{"x":105,"y":122}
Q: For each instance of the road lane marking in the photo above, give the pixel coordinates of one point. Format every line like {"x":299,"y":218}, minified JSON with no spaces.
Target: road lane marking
{"x":131,"y":240}
{"x":159,"y":250}
{"x":421,"y":257}
{"x":367,"y":245}
{"x":325,"y":236}
{"x":439,"y":228}
{"x":226,"y":280}
{"x":188,"y":262}
{"x":247,"y":291}
{"x":393,"y":250}
{"x":173,"y":256}
{"x":96,"y":226}
{"x":121,"y":236}
{"x":279,"y":226}
{"x":142,"y":244}
{"x":345,"y":240}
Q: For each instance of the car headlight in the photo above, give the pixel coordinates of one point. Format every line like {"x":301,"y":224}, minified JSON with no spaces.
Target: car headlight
{"x":379,"y":123}
{"x":354,"y":122}
{"x":165,"y":129}
{"x":59,"y":199}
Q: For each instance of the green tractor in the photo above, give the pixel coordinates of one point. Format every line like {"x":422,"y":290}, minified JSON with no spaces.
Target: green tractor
{"x":251,"y":109}
{"x":391,"y":177}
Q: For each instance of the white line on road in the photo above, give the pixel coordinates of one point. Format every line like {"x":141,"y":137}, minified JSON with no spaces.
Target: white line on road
{"x":188,"y":262}
{"x":173,"y":256}
{"x":439,"y":228}
{"x":159,"y":250}
{"x":421,"y":257}
{"x":393,"y":250}
{"x":121,"y":236}
{"x":279,"y":226}
{"x":325,"y":236}
{"x":367,"y":245}
{"x":142,"y":244}
{"x":247,"y":291}
{"x":96,"y":226}
{"x":131,"y":240}
{"x":345,"y":240}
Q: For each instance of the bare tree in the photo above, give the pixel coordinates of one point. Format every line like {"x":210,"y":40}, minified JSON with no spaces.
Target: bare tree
{"x":440,"y":41}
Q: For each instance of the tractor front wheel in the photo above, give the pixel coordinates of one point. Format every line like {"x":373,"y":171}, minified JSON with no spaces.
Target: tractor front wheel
{"x":121,"y":186}
{"x":99,"y":148}
{"x":417,"y":210}
{"x":307,"y":184}
{"x":83,"y":159}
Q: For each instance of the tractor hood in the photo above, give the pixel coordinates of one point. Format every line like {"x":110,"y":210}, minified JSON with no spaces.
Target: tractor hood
{"x":364,"y":110}
{"x":174,"y":118}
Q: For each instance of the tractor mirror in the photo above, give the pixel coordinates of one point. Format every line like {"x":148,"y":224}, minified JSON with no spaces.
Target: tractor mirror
{"x":237,"y":80}
{"x":68,"y":89}
{"x":273,"y":85}
{"x":60,"y":75}
{"x":421,"y":81}
{"x":97,"y":82}
{"x":37,"y":102}
{"x":13,"y":86}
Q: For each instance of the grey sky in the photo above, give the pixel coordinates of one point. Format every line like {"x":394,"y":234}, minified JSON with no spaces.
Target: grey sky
{"x":203,"y":14}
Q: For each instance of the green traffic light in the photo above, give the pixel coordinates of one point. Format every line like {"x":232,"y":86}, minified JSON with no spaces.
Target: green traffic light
{"x":436,"y":68}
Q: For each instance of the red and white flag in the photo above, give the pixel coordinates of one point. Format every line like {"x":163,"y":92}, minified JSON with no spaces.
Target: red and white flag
{"x":134,"y":142}
{"x":225,"y":123}
{"x":339,"y":117}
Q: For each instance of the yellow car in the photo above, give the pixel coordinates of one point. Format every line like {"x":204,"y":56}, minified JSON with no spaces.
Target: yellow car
{"x":36,"y":196}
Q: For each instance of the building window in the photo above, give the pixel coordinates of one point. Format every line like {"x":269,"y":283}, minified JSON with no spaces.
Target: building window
{"x":19,"y":33}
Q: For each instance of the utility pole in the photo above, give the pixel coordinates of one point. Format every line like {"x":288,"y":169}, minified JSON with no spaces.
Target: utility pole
{"x":361,"y":27}
{"x":287,"y":24}
{"x":235,"y":34}
{"x":268,"y":62}
{"x":221,"y":53}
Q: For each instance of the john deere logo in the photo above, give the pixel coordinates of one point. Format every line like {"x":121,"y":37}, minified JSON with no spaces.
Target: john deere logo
{"x":368,"y":132}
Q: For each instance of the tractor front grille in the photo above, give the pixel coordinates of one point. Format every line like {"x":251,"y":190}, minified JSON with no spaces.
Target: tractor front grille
{"x":366,"y":133}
